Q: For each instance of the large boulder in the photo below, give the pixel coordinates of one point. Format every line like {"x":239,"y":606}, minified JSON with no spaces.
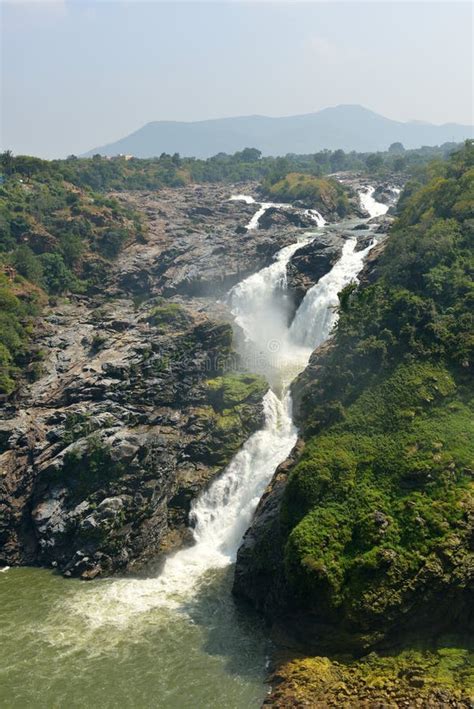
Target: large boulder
{"x":311,"y":262}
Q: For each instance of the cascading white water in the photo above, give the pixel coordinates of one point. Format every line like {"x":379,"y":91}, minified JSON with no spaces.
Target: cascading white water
{"x":175,"y":640}
{"x":224,"y":511}
{"x":374,"y":208}
{"x":248,"y":199}
{"x":261,"y":308}
{"x":316,"y":216}
{"x":317,"y":313}
{"x":253,"y":223}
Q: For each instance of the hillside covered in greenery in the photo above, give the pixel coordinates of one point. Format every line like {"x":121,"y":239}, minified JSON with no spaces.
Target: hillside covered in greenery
{"x":376,"y":519}
{"x":59,"y":231}
{"x":377,"y":509}
{"x":55,"y":238}
{"x":319,"y":192}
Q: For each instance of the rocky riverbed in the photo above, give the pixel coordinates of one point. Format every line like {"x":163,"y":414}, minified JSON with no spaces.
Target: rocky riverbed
{"x":141,"y":401}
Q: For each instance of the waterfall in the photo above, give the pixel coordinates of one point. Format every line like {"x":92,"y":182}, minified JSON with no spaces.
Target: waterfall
{"x":253,"y":223}
{"x":262,"y":310}
{"x":222,"y":513}
{"x":317,"y":313}
{"x":315,"y":216}
{"x":374,"y":208}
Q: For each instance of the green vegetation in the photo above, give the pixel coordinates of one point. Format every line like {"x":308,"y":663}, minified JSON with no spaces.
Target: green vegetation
{"x":232,"y":389}
{"x":440,"y":677}
{"x":166,"y":313}
{"x":375,"y":514}
{"x":121,"y":173}
{"x":54,"y":238}
{"x":227,"y":420}
{"x":57,"y":236}
{"x":318,"y":192}
{"x":19,"y":302}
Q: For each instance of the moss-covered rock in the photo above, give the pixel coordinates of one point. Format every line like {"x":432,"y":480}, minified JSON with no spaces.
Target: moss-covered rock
{"x":167,"y":313}
{"x":322,"y":193}
{"x":377,"y":510}
{"x":438,"y":678}
{"x":229,"y":418}
{"x":233,"y":388}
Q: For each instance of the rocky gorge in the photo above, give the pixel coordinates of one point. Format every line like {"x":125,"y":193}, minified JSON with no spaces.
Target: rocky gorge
{"x":142,"y":399}
{"x":128,"y":453}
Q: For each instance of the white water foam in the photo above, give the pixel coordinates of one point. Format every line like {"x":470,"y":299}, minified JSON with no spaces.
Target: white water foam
{"x":317,"y":313}
{"x":253,"y":223}
{"x":316,"y":216}
{"x":248,"y":199}
{"x":374,"y":208}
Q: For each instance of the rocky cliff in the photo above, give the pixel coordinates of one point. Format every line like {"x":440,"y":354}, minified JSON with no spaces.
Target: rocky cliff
{"x":140,"y":401}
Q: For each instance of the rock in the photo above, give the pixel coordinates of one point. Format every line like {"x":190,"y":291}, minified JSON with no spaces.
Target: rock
{"x":370,"y":270}
{"x":364,"y":241}
{"x":102,"y":473}
{"x":275,"y":216}
{"x":252,"y":581}
{"x":386,"y":194}
{"x":382,"y":224}
{"x":102,"y":457}
{"x":111,"y":503}
{"x":311,"y":262}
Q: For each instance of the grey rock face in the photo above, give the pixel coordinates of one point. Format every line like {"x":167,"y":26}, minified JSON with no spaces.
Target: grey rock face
{"x":103,"y":455}
{"x":312,"y":262}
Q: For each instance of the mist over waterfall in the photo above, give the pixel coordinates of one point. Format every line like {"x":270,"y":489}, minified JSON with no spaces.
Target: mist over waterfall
{"x":280,"y":350}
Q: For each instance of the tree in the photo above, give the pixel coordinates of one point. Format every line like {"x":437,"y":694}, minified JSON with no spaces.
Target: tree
{"x":374,"y":162}
{"x":400,"y":163}
{"x":111,"y":242}
{"x":27,"y":264}
{"x":338,"y":160}
{"x":396,"y":148}
{"x":56,"y":276}
{"x":248,"y":155}
{"x":7,"y":162}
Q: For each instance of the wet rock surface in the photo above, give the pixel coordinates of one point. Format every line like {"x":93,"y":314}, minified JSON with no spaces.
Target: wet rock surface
{"x":311,"y":262}
{"x":139,"y":403}
{"x":100,"y":465}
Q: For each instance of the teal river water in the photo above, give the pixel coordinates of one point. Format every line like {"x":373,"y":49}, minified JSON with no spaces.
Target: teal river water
{"x":61,"y":646}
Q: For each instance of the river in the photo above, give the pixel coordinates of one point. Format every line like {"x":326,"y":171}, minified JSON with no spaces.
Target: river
{"x":176,"y":639}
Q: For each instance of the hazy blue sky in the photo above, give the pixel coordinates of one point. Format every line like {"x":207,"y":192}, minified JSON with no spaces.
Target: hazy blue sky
{"x":78,"y":74}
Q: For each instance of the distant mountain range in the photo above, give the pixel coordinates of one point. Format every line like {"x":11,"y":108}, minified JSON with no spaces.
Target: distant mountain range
{"x":347,"y":127}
